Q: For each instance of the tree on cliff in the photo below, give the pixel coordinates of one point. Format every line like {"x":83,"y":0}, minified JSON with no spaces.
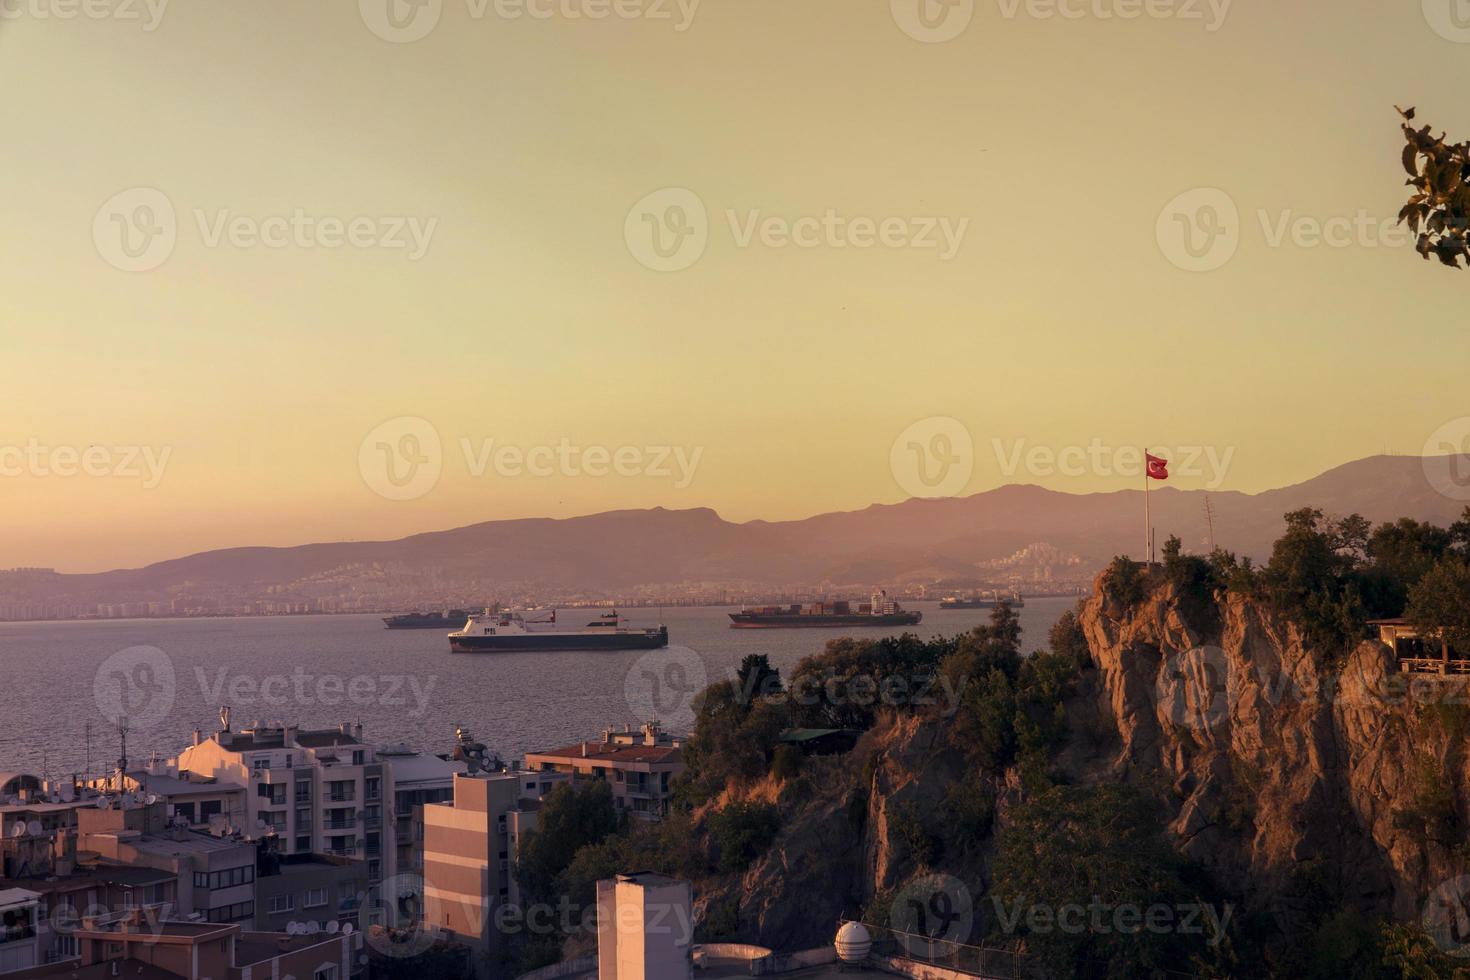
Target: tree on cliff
{"x":1438,"y":209}
{"x":1439,"y":605}
{"x":1079,"y":872}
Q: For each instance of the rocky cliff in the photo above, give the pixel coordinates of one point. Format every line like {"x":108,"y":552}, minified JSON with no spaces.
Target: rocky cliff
{"x":1301,"y":782}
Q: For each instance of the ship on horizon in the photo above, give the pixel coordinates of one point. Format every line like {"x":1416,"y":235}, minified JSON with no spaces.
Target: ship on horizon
{"x":504,"y":632}
{"x":879,"y":611}
{"x":448,"y":619}
{"x":982,"y":601}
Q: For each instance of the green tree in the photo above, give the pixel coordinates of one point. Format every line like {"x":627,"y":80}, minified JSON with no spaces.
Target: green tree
{"x":573,"y":816}
{"x":743,"y":831}
{"x":1066,"y":639}
{"x":1095,"y":848}
{"x":1439,"y":604}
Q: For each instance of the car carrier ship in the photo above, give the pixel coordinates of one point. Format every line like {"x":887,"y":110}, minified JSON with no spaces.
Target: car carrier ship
{"x":880,"y":611}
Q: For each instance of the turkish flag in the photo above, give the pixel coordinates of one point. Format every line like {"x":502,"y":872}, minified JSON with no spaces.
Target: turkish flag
{"x":1158,"y":469}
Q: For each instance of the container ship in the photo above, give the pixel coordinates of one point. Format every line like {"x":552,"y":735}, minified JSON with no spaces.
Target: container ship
{"x":510,"y":632}
{"x":977,"y":601}
{"x":427,"y":621}
{"x":878,"y":612}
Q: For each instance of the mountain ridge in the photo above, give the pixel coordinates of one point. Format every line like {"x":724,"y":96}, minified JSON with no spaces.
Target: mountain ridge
{"x":623,"y":548}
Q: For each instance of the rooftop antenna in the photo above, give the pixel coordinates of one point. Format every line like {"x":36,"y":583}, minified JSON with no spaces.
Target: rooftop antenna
{"x":1210,"y":519}
{"x":88,"y":734}
{"x":122,"y":758}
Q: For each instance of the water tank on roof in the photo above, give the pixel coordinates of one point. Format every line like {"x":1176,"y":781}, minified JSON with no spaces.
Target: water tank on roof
{"x":853,"y":942}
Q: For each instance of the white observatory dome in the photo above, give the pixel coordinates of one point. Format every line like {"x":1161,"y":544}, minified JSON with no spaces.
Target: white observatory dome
{"x":853,"y":942}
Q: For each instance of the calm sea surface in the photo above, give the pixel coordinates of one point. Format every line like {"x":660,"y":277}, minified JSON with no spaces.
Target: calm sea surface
{"x":172,"y":676}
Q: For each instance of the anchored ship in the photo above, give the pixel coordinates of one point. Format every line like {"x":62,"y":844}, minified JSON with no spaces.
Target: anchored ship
{"x":502,"y":632}
{"x":427,"y":621}
{"x":979,"y":601}
{"x":880,"y":611}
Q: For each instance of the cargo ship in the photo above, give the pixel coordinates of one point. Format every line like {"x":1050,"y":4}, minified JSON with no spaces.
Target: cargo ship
{"x":978,"y":601}
{"x":427,"y":621}
{"x":878,"y":612}
{"x":503,"y":632}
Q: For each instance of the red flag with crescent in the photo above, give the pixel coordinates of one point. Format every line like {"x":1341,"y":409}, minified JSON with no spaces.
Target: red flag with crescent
{"x":1158,"y":469}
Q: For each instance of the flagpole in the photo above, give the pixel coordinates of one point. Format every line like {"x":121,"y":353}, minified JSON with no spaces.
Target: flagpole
{"x":1148,"y":521}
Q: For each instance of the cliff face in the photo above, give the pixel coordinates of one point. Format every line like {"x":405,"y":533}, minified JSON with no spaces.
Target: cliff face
{"x":1301,"y":785}
{"x":1288,"y":777}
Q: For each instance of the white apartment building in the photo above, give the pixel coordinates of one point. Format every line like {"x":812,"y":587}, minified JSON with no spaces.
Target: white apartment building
{"x":317,"y":791}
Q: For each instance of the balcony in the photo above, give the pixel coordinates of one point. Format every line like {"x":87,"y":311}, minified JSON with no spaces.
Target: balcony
{"x":340,"y":825}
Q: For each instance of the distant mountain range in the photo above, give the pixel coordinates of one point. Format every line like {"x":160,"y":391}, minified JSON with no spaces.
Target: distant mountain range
{"x":917,"y":540}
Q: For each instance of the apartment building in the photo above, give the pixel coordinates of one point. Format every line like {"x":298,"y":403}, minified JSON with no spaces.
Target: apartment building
{"x":308,"y":889}
{"x":470,"y":848}
{"x":640,"y":766}
{"x":142,"y":943}
{"x":419,"y":779}
{"x":312,"y":791}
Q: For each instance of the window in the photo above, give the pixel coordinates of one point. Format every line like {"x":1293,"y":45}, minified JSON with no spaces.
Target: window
{"x":303,"y":844}
{"x":201,"y":879}
{"x":328,"y":972}
{"x":185,"y":810}
{"x":303,"y":791}
{"x":314,"y":898}
{"x":282,"y":903}
{"x":375,"y":869}
{"x":232,"y":877}
{"x":210,"y":808}
{"x":358,"y":757}
{"x":68,"y":946}
{"x":232,"y":913}
{"x":261,"y":765}
{"x":374,"y":788}
{"x":373,"y":812}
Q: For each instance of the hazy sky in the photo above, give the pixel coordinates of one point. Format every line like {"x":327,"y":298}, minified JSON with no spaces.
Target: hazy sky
{"x":240,"y":237}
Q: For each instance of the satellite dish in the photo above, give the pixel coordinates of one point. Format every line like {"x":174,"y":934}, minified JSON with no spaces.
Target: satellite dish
{"x":259,"y":824}
{"x":333,"y":926}
{"x":68,"y":793}
{"x":150,"y":799}
{"x":34,"y":828}
{"x":292,"y":928}
{"x":347,"y":928}
{"x":18,"y":829}
{"x":313,"y":927}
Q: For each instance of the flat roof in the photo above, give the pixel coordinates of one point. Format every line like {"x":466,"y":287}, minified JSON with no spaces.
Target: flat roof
{"x":608,"y":752}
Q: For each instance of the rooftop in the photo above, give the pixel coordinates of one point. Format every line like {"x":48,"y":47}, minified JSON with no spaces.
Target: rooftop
{"x":606,"y":752}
